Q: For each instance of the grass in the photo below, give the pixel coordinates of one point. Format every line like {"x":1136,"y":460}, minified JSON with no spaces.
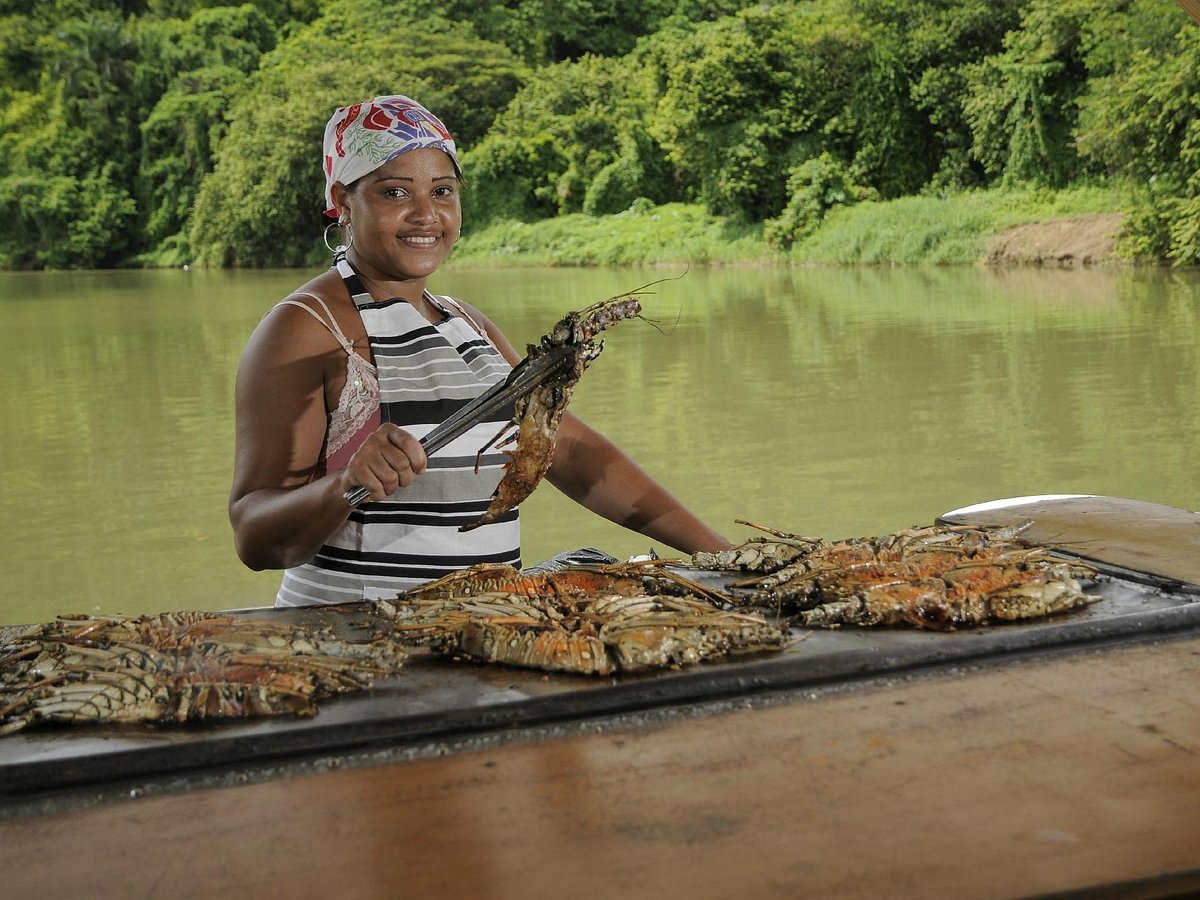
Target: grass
{"x":952,"y":229}
{"x":668,"y":234}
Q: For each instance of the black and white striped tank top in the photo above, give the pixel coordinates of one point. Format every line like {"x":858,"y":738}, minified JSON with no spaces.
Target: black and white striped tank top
{"x":426,"y":372}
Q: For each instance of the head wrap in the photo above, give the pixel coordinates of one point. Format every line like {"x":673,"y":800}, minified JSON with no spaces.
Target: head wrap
{"x":361,"y":138}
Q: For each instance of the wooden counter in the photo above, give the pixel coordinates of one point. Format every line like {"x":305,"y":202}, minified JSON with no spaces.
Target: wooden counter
{"x":1026,"y":778}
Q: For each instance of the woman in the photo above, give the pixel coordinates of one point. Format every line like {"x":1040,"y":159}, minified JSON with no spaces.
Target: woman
{"x":342,"y":378}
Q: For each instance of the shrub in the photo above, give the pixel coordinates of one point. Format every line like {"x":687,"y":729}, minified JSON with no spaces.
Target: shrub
{"x":814,"y":188}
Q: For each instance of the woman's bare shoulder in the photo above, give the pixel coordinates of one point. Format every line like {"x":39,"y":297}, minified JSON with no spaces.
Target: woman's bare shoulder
{"x":288,"y":331}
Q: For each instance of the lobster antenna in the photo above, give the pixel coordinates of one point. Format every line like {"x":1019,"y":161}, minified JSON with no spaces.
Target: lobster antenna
{"x":645,"y":289}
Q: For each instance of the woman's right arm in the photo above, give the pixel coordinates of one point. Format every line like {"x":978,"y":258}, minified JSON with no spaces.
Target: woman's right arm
{"x":281,"y":514}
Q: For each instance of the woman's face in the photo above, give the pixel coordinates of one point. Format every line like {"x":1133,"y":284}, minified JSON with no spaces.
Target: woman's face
{"x":405,"y":217}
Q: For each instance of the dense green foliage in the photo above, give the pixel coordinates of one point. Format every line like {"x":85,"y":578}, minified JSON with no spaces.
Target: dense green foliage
{"x":169,"y":131}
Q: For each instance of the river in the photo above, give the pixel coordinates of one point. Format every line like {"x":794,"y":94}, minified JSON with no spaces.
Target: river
{"x":830,"y":402}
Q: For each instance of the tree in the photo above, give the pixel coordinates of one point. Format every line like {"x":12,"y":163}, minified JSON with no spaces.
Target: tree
{"x":65,"y":198}
{"x":571,"y":124}
{"x":544,"y":32}
{"x":1024,"y":102}
{"x":748,"y":98}
{"x":935,"y":42}
{"x":190,"y":74}
{"x":1142,"y":121}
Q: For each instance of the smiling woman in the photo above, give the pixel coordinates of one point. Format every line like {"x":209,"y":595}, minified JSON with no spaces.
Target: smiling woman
{"x":345,"y":375}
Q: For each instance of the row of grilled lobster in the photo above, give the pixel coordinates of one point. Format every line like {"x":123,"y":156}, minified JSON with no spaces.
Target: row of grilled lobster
{"x":625,"y":617}
{"x":588,"y":619}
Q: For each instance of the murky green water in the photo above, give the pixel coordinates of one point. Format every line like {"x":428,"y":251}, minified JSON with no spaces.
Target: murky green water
{"x":830,"y":402}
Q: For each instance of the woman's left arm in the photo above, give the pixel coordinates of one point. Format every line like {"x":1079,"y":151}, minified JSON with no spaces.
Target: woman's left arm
{"x":596,"y":473}
{"x":599,"y":475}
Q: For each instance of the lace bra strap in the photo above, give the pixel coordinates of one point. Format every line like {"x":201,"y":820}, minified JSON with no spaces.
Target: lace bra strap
{"x":331,"y":323}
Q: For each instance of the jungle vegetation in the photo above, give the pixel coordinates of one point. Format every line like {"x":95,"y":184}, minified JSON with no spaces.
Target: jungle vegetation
{"x":165,"y":132}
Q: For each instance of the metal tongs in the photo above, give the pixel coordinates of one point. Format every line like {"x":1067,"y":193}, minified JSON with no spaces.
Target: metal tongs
{"x":527,"y":375}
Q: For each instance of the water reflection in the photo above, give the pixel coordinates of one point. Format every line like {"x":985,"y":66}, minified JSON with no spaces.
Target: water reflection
{"x":827,"y":401}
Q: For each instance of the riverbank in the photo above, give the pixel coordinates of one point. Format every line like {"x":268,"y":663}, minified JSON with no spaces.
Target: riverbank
{"x":1075,"y":227}
{"x":1065,"y":243}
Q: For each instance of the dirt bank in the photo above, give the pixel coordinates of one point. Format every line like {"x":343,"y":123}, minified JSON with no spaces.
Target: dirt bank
{"x":1062,"y":243}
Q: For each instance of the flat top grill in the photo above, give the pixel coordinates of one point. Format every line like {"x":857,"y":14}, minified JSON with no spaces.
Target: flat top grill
{"x":436,"y":698}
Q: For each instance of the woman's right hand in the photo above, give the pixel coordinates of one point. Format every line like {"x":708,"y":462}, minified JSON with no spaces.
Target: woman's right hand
{"x":388,"y":460}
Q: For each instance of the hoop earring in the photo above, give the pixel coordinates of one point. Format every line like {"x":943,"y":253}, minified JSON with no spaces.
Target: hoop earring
{"x":348,"y":234}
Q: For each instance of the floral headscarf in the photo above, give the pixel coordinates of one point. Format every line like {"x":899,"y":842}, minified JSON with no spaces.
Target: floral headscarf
{"x":361,"y":138}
